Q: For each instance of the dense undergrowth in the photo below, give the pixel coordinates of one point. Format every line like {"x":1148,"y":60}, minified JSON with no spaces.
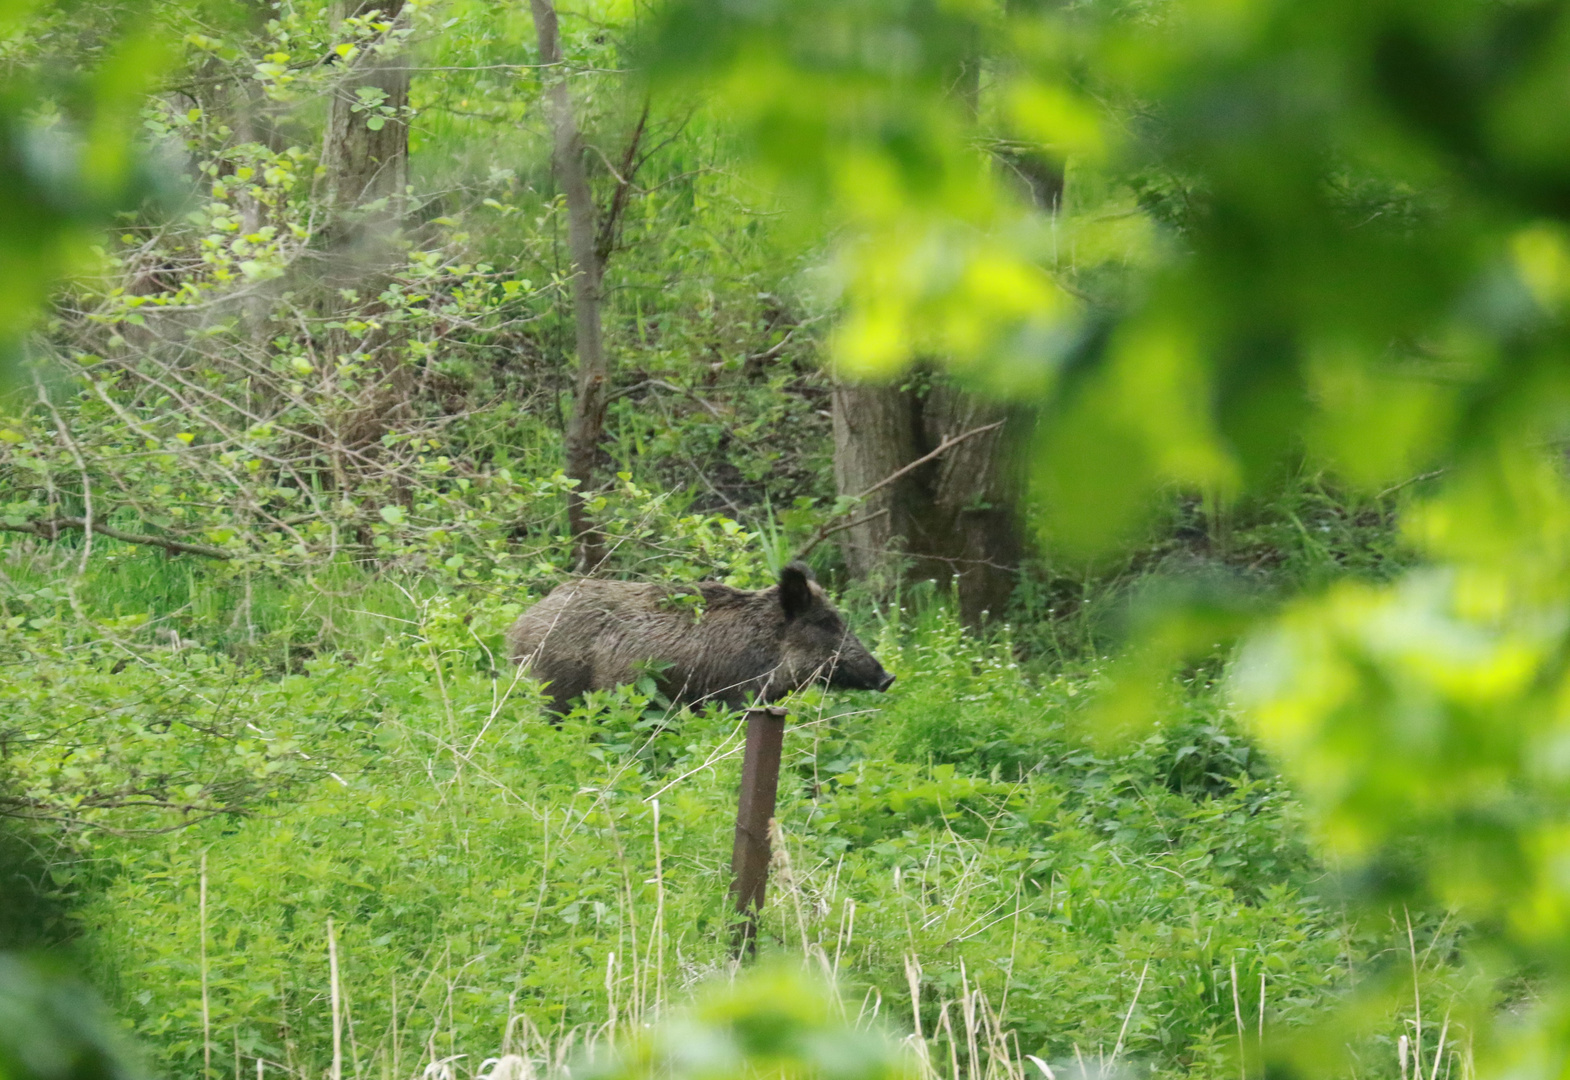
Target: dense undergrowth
{"x":283,"y":800}
{"x":372,"y":786}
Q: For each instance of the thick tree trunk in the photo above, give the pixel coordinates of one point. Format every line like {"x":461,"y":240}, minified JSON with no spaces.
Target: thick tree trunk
{"x":587,"y":423}
{"x":972,"y":531}
{"x":955,"y":518}
{"x":875,"y":433}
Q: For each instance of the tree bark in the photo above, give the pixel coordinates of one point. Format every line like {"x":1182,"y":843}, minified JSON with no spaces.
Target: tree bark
{"x":366,"y":148}
{"x":587,"y":423}
{"x":365,"y":161}
{"x":972,"y":531}
{"x":956,"y":518}
{"x":875,"y":434}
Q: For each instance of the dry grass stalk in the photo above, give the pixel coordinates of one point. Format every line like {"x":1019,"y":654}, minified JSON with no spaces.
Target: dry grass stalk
{"x":207,"y":1015}
{"x":337,"y":1005}
{"x":1237,"y":1011}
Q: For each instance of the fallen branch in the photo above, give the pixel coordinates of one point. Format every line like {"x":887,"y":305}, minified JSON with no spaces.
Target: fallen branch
{"x":50,"y":530}
{"x":663,"y":385}
{"x":829,"y":528}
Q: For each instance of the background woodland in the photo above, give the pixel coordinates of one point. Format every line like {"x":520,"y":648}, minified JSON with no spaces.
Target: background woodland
{"x":1172,"y":394}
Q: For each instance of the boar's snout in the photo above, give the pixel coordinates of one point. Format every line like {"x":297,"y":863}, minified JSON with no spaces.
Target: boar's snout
{"x":858,"y":669}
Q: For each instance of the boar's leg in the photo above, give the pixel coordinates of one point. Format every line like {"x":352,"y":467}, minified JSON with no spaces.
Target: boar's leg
{"x":746,"y":695}
{"x":735,"y":700}
{"x":563,"y":680}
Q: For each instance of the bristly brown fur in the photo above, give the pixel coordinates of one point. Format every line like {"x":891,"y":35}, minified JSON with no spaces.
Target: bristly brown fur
{"x":706,"y":642}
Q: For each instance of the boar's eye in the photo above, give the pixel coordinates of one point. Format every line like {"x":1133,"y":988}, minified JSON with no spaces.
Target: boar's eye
{"x":831,"y":623}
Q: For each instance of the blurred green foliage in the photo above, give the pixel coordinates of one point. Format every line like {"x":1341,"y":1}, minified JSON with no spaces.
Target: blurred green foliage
{"x":771,"y":1023}
{"x":55,"y":1028}
{"x":1259,"y":264}
{"x":1327,"y":230}
{"x":70,"y":158}
{"x":1306,"y":256}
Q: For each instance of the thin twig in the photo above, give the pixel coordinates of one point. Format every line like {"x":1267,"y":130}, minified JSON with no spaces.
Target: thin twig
{"x":207,"y":1023}
{"x":1393,"y":488}
{"x":337,"y":1002}
{"x":1417,"y":998}
{"x":1118,"y":1049}
{"x":605,"y":241}
{"x":1237,"y":1011}
{"x":943,"y":447}
{"x":824,"y":534}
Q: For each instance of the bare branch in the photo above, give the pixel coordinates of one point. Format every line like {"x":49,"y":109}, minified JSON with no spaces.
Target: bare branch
{"x":605,"y":242}
{"x":824,"y":533}
{"x":50,"y":530}
{"x":943,"y":447}
{"x":829,"y":528}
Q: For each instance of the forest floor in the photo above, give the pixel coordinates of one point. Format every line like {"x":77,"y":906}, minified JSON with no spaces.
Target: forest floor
{"x":402,"y":840}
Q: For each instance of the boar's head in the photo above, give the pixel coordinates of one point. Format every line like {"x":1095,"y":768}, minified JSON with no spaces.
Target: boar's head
{"x":817,"y":644}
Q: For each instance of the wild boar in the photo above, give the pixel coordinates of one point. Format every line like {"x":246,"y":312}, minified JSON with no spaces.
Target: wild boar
{"x":704,"y":642}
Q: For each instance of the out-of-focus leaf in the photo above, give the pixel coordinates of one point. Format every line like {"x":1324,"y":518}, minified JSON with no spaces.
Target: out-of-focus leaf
{"x":65,"y":172}
{"x":1343,"y":228}
{"x":772,"y":1022}
{"x":52,"y":1027}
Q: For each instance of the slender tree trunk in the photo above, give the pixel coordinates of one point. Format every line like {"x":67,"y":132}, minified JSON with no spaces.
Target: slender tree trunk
{"x":587,"y":423}
{"x":366,"y":148}
{"x":365,"y":161}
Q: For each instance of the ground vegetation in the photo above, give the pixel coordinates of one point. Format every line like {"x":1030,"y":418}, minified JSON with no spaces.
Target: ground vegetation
{"x":1169,"y":395}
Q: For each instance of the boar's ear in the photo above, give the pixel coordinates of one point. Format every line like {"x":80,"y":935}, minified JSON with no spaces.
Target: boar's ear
{"x":796,"y":589}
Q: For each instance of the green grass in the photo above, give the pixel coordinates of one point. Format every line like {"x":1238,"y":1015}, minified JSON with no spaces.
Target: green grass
{"x":964,"y":853}
{"x":486,"y":871}
{"x":248,"y":615}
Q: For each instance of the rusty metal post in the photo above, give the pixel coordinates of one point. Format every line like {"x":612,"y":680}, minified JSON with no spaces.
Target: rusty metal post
{"x":749,"y":861}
